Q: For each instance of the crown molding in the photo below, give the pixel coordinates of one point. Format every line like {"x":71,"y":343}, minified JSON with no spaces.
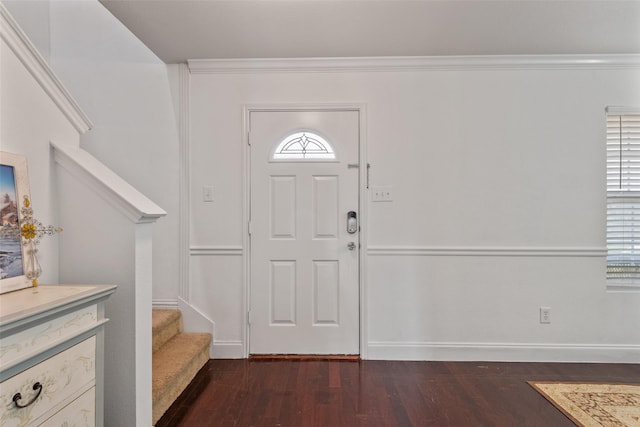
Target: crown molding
{"x":27,"y":53}
{"x":418,"y":63}
{"x":115,"y":190}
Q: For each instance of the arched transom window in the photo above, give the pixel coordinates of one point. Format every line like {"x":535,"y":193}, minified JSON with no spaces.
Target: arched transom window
{"x":304,"y":145}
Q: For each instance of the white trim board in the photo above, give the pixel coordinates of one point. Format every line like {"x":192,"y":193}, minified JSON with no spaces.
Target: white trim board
{"x":195,"y":321}
{"x":503,"y":352}
{"x":622,"y":109}
{"x":506,"y":251}
{"x":164,"y":304}
{"x":227,"y":349}
{"x":27,"y":53}
{"x":417,"y":63}
{"x":107,"y":184}
{"x":184,"y":155}
{"x":216,"y":251}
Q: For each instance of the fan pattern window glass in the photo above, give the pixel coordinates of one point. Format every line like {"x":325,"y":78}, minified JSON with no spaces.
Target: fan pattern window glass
{"x":304,"y":146}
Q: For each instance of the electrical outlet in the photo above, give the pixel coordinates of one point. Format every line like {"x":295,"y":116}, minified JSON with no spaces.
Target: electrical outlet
{"x":545,"y":314}
{"x":382,"y":194}
{"x":207,"y":193}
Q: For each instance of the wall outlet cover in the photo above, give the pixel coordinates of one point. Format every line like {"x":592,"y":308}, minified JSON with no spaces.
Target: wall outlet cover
{"x":381,"y":193}
{"x":545,"y":315}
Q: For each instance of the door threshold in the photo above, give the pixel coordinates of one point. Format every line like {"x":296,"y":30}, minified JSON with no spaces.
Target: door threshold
{"x":346,"y":357}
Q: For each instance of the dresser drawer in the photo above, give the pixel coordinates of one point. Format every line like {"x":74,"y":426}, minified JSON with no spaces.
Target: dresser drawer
{"x":62,"y":377}
{"x":37,"y":338}
{"x":79,"y":413}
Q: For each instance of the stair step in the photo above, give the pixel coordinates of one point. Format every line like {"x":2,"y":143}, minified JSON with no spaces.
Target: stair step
{"x":175,"y":364}
{"x":165,"y":324}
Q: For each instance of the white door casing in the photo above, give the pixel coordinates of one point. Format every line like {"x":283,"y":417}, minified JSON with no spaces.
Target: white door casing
{"x":304,"y":278}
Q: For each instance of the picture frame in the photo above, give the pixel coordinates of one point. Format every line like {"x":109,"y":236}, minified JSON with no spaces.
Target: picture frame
{"x":14,"y":186}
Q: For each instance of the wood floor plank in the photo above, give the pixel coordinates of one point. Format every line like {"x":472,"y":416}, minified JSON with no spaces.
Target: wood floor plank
{"x":339,"y":393}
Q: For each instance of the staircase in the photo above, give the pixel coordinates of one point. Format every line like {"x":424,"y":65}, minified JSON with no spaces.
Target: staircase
{"x":177,"y":358}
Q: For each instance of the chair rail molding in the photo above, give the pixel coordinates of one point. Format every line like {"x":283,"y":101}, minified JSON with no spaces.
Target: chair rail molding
{"x":33,"y":61}
{"x":505,"y":251}
{"x":216,"y":251}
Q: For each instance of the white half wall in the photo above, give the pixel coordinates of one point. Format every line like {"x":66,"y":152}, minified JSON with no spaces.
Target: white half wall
{"x":498,"y":177}
{"x":105,"y":250}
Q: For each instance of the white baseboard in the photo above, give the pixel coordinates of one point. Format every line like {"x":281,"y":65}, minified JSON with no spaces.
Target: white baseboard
{"x":171,"y":304}
{"x":503,"y":352}
{"x":195,"y":321}
{"x":228,"y":350}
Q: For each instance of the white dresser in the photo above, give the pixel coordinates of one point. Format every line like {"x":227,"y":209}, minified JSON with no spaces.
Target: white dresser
{"x":51,"y":356}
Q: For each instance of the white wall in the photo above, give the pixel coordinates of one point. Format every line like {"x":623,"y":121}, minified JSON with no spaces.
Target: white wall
{"x":33,"y":16}
{"x":498,"y":177}
{"x":29,"y":120}
{"x":125,"y":91}
{"x":124,"y":88}
{"x":490,"y":163}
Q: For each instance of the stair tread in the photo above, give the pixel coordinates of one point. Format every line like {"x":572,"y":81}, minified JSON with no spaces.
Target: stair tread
{"x":162,"y":316}
{"x":165,"y":324}
{"x":172,"y":357}
{"x":174,"y":366}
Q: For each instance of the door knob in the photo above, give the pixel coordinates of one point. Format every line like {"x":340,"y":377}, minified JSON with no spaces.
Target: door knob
{"x":351,"y":246}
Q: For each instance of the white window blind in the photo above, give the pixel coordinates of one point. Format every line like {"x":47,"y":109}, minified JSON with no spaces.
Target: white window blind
{"x":623,"y":197}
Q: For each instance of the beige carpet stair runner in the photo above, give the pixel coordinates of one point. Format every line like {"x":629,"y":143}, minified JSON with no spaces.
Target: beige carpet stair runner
{"x":177,"y":358}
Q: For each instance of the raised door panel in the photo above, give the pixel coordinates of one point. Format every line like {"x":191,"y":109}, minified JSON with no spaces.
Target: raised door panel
{"x":283,"y":293}
{"x":325,"y":207}
{"x":283,"y":207}
{"x":326,"y":293}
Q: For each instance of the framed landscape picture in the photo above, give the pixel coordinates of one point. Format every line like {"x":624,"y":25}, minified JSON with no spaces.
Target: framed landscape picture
{"x":14,"y":185}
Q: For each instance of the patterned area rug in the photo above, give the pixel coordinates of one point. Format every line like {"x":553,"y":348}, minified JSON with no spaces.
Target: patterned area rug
{"x":594,"y":405}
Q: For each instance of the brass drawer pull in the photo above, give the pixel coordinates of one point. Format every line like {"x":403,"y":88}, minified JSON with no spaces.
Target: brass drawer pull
{"x":18,"y":396}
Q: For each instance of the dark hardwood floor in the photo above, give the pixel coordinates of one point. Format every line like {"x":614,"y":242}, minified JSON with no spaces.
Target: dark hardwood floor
{"x":291,"y":393}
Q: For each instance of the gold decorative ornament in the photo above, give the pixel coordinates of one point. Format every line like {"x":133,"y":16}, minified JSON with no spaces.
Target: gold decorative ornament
{"x":31,"y":230}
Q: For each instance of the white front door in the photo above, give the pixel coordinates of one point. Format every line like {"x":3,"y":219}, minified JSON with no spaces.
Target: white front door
{"x":304,"y":287}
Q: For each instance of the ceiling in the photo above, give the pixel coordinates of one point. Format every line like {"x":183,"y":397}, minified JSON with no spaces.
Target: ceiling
{"x":178,"y":30}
